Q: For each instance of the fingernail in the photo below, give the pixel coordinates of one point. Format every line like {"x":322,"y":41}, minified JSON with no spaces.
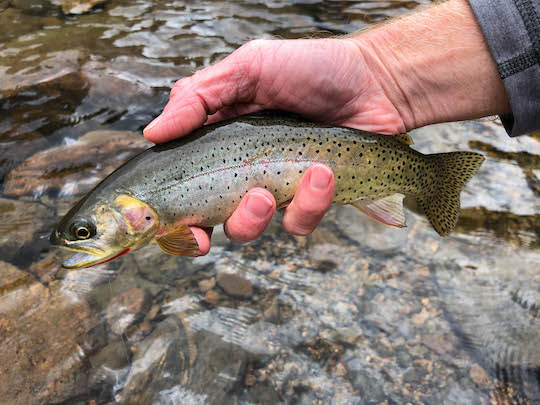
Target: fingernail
{"x":320,"y":177}
{"x":154,"y":122}
{"x":259,"y":205}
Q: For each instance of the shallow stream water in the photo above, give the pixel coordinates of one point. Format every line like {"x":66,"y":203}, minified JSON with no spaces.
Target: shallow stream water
{"x":356,"y":313}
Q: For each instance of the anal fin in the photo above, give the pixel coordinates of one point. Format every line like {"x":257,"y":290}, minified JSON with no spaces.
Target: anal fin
{"x":180,"y":242}
{"x":386,"y":210}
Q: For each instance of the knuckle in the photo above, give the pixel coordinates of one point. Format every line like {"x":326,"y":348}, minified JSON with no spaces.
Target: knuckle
{"x":311,"y":210}
{"x":298,"y":228}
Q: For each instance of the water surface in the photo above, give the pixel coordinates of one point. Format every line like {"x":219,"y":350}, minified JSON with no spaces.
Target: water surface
{"x":356,"y":313}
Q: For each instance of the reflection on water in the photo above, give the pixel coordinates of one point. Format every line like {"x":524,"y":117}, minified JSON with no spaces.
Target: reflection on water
{"x":355,"y":313}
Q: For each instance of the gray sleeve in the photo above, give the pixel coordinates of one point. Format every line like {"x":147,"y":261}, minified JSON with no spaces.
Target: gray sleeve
{"x":512,"y":32}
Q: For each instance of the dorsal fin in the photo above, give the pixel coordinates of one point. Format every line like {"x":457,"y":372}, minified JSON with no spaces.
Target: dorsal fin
{"x":180,"y":242}
{"x":387,"y":210}
{"x":404,"y":138}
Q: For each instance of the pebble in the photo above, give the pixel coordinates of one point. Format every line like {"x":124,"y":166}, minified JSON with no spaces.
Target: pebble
{"x":206,"y":285}
{"x":211,"y":297}
{"x":235,"y":285}
{"x":479,"y":375}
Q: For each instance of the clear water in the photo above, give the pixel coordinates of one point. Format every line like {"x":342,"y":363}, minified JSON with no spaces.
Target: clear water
{"x":356,"y":313}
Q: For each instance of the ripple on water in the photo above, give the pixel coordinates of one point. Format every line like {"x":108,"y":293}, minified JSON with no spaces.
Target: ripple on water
{"x":354,"y":313}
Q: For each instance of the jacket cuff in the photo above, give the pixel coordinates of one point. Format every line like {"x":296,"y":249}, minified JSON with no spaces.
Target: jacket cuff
{"x":512,"y":32}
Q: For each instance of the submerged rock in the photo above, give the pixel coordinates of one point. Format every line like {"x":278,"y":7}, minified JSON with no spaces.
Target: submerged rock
{"x":74,"y":168}
{"x":44,"y":337}
{"x":77,"y":6}
{"x":234,"y":284}
{"x":127,"y":309}
{"x":20,"y":222}
{"x":11,"y":278}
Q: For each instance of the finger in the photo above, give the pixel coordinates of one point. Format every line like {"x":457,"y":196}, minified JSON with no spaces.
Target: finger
{"x":202,"y":236}
{"x":251,"y":217}
{"x":194,"y":98}
{"x":233,"y":111}
{"x":311,"y":201}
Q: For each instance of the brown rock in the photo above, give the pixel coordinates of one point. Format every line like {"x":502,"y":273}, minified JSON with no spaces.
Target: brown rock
{"x":76,"y":168}
{"x":235,"y":285}
{"x":19,"y":224}
{"x":211,"y":297}
{"x":47,"y":268}
{"x":77,"y":6}
{"x":44,"y":339}
{"x":206,"y":285}
{"x":128,"y":309}
{"x":11,"y":278}
{"x":479,"y":375}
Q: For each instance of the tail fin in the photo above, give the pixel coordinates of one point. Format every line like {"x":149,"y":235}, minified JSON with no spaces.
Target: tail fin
{"x":441,"y":203}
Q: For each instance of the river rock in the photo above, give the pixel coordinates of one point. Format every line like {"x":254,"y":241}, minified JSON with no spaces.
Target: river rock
{"x":11,"y":277}
{"x":234,"y":284}
{"x":211,"y":297}
{"x":127,"y":309}
{"x":76,"y":167}
{"x":77,"y":6}
{"x":178,"y":365}
{"x":44,"y":337}
{"x":206,"y":285}
{"x":20,"y":223}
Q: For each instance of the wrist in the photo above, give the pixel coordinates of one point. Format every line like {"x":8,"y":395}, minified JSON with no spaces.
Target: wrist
{"x":434,"y":66}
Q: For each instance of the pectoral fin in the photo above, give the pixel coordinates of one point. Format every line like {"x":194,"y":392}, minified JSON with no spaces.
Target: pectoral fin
{"x":180,"y":242}
{"x":387,"y":210}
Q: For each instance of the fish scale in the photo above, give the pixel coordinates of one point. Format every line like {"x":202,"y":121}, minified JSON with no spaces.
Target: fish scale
{"x":200,"y":179}
{"x":272,"y":153}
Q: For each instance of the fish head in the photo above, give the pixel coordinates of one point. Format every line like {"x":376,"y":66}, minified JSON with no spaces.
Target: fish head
{"x":102,"y":231}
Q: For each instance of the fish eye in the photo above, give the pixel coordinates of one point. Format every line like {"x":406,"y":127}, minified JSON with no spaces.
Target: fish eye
{"x":83,"y":229}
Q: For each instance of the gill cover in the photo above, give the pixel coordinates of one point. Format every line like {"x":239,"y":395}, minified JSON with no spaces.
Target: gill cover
{"x":125,"y":225}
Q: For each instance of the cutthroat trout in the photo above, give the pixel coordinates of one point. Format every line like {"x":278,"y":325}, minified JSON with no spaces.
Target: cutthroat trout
{"x":200,"y":179}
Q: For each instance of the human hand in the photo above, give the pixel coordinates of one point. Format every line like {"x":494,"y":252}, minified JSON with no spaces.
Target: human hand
{"x":325,"y":79}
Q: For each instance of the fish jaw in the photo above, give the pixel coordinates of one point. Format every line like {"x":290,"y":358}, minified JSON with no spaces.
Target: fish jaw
{"x":84,"y":259}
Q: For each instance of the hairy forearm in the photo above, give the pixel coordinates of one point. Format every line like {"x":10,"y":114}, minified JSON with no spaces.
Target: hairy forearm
{"x":435,"y":66}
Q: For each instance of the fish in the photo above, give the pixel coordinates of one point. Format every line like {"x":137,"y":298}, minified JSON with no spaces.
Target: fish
{"x":199,"y":180}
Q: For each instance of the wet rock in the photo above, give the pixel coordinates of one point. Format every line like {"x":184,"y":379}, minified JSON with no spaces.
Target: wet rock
{"x":479,"y":375}
{"x":109,"y":365}
{"x":21,"y":223}
{"x":47,"y":268}
{"x":11,"y":278}
{"x":77,"y":6}
{"x":156,"y":266}
{"x":234,"y":284}
{"x":211,"y":297}
{"x":44,"y":337}
{"x":206,"y":285}
{"x":19,"y":24}
{"x":74,"y":168}
{"x":32,"y":7}
{"x":127,"y":309}
{"x":206,"y":366}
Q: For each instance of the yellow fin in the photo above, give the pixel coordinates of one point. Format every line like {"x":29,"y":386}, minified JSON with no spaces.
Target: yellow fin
{"x":386,"y":210}
{"x":180,"y":242}
{"x":404,"y":138}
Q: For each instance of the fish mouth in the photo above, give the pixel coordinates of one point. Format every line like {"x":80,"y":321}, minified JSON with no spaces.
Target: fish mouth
{"x":90,"y":256}
{"x":84,"y":260}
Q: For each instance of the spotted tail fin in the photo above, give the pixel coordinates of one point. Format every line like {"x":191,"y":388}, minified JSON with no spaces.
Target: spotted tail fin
{"x":440,"y":202}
